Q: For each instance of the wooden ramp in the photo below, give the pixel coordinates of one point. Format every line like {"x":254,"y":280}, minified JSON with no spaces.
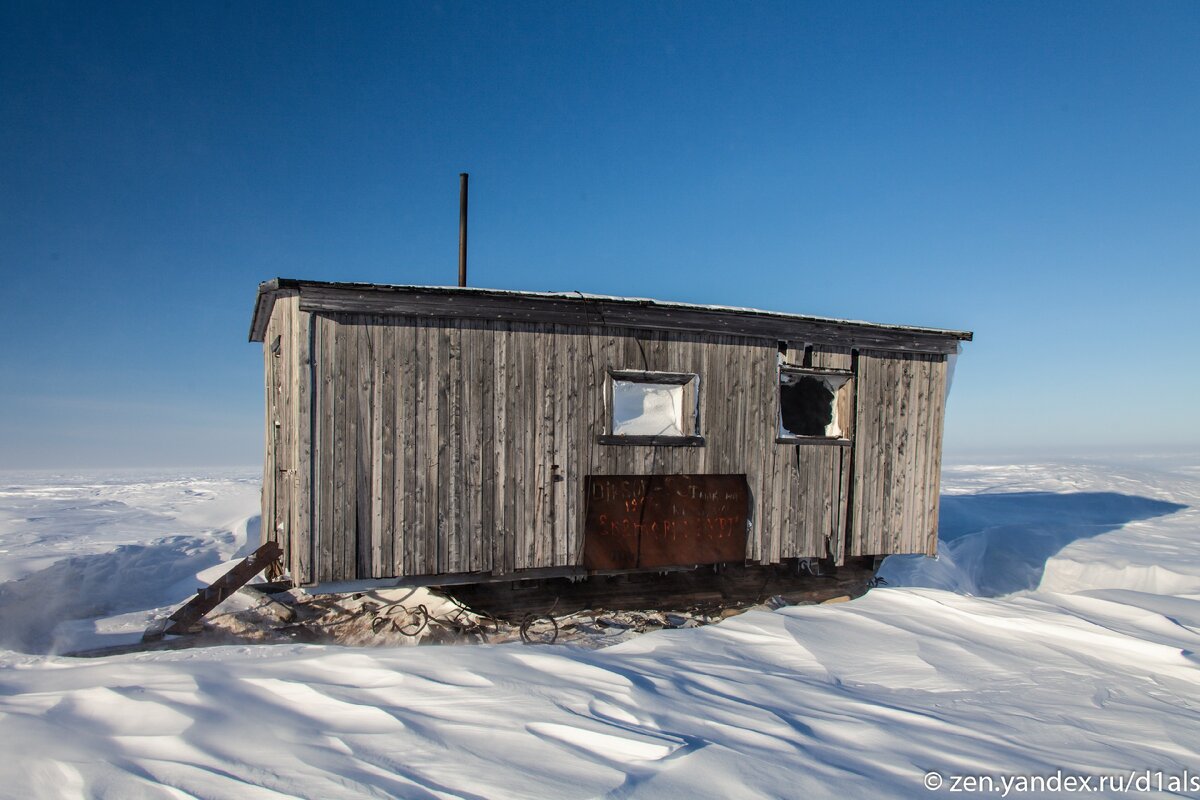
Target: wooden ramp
{"x":207,"y":598}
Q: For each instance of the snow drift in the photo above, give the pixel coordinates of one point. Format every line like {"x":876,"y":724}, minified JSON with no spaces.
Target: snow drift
{"x":1058,"y":630}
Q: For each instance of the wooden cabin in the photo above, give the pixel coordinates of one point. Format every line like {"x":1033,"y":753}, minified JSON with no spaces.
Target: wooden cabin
{"x":420,"y":434}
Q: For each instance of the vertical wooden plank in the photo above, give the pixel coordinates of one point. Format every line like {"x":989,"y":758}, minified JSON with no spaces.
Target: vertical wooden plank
{"x":846,"y":472}
{"x":902,"y":447}
{"x":917,"y":539}
{"x":895,"y":449}
{"x":324,"y":457}
{"x":385,"y":410}
{"x":759,"y":426}
{"x":285,"y":462}
{"x":773,"y":458}
{"x":824,"y":535}
{"x":408,"y":405}
{"x":814,"y":460}
{"x":341,"y":421}
{"x":937,"y":418}
{"x":715,"y":396}
{"x":374,"y":328}
{"x":553,"y":441}
{"x":526,"y":417}
{"x":866,"y":422}
{"x":434,"y":449}
{"x":609,"y":351}
{"x":534,"y":348}
{"x":274,"y":526}
{"x":400,"y":400}
{"x":469,"y":447}
{"x":914,"y":483}
{"x":451,"y":432}
{"x":421,"y":458}
{"x":565,"y":443}
{"x":798,"y":487}
{"x":807,"y":460}
{"x":831,"y":510}
{"x":363,"y":445}
{"x":536,"y":447}
{"x":881,"y":542}
{"x":535,"y":526}
{"x":589,"y":416}
{"x":502,"y":505}
{"x":441,"y":488}
{"x":286,"y":475}
{"x":879,"y":476}
{"x":517,"y":427}
{"x":488,"y":524}
{"x":267,"y":522}
{"x":303,"y":535}
{"x":349,"y":501}
{"x":732,"y":366}
{"x":786,"y":484}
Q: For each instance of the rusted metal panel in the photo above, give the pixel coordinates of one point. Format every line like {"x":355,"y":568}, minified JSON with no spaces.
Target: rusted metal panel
{"x":640,"y":521}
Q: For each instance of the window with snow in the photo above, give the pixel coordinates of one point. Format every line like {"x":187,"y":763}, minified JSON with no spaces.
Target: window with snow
{"x":814,"y":404}
{"x":653,"y":408}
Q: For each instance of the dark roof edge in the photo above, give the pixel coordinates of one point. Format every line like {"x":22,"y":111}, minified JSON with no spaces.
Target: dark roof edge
{"x":263,"y":305}
{"x":269,"y":290}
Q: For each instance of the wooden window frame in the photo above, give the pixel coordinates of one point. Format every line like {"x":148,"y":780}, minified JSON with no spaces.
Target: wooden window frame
{"x":690,"y":381}
{"x":843,"y":401}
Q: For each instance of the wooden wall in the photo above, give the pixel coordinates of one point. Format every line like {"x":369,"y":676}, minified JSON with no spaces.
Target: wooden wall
{"x":443,"y":446}
{"x":898,"y":452}
{"x":286,"y":504}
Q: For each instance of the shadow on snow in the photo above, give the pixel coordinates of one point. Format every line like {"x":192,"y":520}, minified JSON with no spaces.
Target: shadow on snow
{"x":993,"y":544}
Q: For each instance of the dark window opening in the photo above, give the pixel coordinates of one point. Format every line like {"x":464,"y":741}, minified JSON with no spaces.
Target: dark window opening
{"x":806,"y":405}
{"x":814,"y":404}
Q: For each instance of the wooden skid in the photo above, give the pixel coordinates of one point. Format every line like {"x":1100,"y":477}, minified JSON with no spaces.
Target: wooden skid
{"x":210,"y":597}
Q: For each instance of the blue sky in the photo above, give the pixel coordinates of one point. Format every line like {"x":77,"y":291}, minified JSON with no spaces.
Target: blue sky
{"x":1029,"y":171}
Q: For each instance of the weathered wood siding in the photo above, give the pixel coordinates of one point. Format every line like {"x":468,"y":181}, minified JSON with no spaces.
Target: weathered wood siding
{"x":897,"y":452}
{"x":286,"y":507}
{"x":455,"y":446}
{"x":407,"y":446}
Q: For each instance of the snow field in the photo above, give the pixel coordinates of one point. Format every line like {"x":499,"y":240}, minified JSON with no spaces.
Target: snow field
{"x":1059,"y":630}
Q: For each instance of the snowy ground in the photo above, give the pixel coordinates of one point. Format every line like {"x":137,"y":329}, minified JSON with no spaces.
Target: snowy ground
{"x":1059,"y":631}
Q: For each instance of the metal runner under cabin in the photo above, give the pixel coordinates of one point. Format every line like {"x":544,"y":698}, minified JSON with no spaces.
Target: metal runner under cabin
{"x":473,"y":434}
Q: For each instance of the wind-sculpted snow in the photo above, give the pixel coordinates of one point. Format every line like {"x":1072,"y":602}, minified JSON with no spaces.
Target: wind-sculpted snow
{"x":85,"y":549}
{"x":858,"y":699}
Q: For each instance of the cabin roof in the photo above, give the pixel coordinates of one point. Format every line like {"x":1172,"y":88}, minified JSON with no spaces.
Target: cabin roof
{"x":575,"y":308}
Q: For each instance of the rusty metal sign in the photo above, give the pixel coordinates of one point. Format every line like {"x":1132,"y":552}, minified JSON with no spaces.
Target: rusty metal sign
{"x":641,"y":521}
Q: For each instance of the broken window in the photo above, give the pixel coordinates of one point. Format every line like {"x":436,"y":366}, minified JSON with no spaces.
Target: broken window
{"x":653,"y":408}
{"x":813,"y":403}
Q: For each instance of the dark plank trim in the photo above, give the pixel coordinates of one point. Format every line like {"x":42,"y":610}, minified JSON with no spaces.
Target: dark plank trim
{"x":645,"y":376}
{"x":831,"y":440}
{"x":652,"y":441}
{"x":790,"y":370}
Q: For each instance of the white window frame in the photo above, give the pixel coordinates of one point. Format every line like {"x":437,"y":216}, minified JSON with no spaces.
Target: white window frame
{"x":689,"y":412}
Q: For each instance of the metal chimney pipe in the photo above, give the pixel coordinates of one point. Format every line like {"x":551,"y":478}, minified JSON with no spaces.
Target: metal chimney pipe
{"x":462,"y":229}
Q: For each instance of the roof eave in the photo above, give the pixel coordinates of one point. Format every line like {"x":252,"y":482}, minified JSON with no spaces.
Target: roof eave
{"x":268,"y":291}
{"x":263,"y":305}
